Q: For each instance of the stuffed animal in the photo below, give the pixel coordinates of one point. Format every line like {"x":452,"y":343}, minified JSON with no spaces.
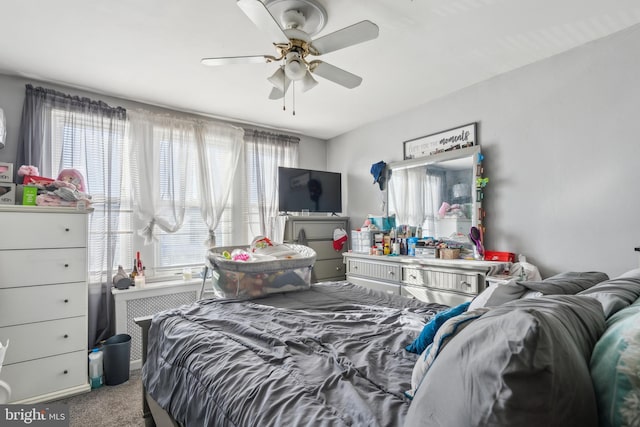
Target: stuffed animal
{"x":74,"y":177}
{"x":28,"y":170}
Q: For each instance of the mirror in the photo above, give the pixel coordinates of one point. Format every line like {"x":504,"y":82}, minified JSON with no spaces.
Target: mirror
{"x":437,"y":193}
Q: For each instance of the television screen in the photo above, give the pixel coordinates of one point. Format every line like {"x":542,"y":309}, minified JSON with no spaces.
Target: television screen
{"x":315,"y":191}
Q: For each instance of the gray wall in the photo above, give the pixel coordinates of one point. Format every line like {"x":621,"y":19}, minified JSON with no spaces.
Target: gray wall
{"x":312,"y":150}
{"x":562,"y":151}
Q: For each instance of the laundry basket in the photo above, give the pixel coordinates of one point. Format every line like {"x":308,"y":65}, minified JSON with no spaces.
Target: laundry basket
{"x":252,"y":279}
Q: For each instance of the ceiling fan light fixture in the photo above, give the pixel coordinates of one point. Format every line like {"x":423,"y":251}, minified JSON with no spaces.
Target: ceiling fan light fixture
{"x":277,"y":79}
{"x":295,"y":68}
{"x":308,"y":82}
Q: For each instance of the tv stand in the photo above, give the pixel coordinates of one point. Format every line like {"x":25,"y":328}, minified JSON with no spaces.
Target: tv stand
{"x":317,"y":233}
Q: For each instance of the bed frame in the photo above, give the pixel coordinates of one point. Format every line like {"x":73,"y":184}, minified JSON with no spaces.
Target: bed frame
{"x":152,"y":413}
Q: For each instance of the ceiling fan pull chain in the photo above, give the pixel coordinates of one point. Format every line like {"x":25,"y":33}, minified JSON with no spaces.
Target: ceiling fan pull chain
{"x":284,"y":89}
{"x":293,"y":95}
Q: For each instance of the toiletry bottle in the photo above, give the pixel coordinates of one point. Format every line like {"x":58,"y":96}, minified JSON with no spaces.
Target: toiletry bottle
{"x":95,"y":368}
{"x":134,"y":272}
{"x":139,"y":264}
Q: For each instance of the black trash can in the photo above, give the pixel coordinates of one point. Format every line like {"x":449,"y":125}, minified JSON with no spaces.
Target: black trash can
{"x":117,"y":350}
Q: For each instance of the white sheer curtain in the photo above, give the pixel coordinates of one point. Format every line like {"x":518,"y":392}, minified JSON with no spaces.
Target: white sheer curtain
{"x":219,"y":149}
{"x":408,"y":191}
{"x":160,"y":141}
{"x":433,"y":200}
{"x":265,"y":153}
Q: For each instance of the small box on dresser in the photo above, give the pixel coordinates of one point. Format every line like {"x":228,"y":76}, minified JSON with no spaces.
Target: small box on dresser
{"x":43,"y":302}
{"x":7,"y":193}
{"x":6,"y":172}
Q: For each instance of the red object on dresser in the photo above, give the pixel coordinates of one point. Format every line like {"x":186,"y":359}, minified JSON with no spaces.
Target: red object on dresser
{"x":499,"y":256}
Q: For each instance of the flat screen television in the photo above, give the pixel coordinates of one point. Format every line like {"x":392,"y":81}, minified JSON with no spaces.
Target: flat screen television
{"x":306,"y":189}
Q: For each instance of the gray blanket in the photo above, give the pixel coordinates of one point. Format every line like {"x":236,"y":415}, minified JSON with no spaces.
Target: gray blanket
{"x":330,"y":356}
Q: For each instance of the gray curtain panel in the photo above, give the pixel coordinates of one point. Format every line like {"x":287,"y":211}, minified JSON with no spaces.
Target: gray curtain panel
{"x":91,"y":139}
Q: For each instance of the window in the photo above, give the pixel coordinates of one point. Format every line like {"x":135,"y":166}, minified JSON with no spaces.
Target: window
{"x":78,"y":142}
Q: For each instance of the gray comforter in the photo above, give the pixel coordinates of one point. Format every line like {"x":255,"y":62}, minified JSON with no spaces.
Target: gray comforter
{"x":330,"y":356}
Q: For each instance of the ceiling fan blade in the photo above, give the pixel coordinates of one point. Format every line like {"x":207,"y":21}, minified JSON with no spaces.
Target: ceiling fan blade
{"x":258,"y":13}
{"x":348,"y":36}
{"x":228,"y":60}
{"x":335,"y":74}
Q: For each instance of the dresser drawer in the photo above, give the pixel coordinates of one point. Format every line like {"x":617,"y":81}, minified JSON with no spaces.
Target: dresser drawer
{"x":329,"y":269}
{"x":434,"y":295}
{"x":374,"y":270}
{"x":316,"y":229}
{"x":26,"y":230}
{"x":377,"y":286}
{"x":416,"y":276}
{"x":41,"y":376}
{"x":441,"y":279}
{"x":324,"y":249}
{"x":42,"y":339}
{"x":40,"y":303}
{"x":42,"y":266}
{"x":453,"y":281}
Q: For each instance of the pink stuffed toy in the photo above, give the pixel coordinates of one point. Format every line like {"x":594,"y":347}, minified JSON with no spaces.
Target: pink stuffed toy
{"x":28,"y":170}
{"x":444,"y":209}
{"x":72,"y":176}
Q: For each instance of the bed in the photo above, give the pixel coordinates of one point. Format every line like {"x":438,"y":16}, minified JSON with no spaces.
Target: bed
{"x":332,"y":355}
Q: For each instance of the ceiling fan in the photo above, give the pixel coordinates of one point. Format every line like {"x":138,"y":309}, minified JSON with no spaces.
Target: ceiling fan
{"x":292,"y":38}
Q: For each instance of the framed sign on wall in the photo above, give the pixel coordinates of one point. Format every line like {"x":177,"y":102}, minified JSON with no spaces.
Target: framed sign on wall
{"x":448,"y":140}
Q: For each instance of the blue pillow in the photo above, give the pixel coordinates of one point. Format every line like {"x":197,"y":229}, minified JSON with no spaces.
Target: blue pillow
{"x":429,"y":331}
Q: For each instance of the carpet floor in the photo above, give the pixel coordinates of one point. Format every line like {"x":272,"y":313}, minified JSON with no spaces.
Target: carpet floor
{"x":108,"y":406}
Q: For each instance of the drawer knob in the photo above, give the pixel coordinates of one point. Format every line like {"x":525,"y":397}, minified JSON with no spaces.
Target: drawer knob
{"x":65,"y":372}
{"x":391,"y":273}
{"x":66,"y":265}
{"x":66,"y":229}
{"x":338,"y":268}
{"x":467,"y":284}
{"x":355,"y":267}
{"x":66,"y":335}
{"x":66,"y":300}
{"x":413,"y":276}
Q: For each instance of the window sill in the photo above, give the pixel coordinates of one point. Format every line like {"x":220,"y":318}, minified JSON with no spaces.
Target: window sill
{"x":159,"y":284}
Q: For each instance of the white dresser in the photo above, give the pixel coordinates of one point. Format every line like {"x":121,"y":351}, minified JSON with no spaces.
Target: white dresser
{"x":444,"y":281}
{"x":43,"y":302}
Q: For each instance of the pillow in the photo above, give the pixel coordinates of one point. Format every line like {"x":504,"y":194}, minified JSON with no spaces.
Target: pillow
{"x":496,"y":295}
{"x":616,"y":294}
{"x":445,"y":333}
{"x":429,"y":331}
{"x":531,"y":294}
{"x":523,"y":364}
{"x":568,"y":283}
{"x":614,"y":369}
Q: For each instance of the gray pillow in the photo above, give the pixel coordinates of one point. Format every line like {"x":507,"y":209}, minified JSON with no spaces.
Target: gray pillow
{"x":616,"y":294}
{"x":496,"y":295}
{"x":522,"y":364}
{"x":569,"y":283}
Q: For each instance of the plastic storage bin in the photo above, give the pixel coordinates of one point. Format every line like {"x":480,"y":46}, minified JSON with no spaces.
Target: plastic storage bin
{"x":117,"y":351}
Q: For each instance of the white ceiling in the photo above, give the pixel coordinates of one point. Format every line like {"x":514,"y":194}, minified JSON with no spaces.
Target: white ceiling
{"x":150,"y":51}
